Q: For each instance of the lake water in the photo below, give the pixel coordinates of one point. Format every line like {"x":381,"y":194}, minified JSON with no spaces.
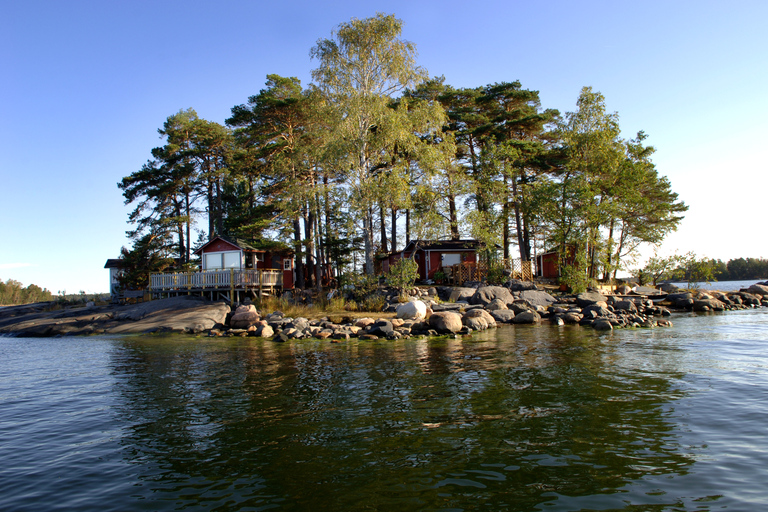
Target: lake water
{"x":723,"y":286}
{"x":519,"y":418}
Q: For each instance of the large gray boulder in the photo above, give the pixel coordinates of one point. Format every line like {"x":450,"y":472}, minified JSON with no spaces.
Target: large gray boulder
{"x":588,"y":298}
{"x":445,"y":322}
{"x":244,"y":317}
{"x":538,"y":298}
{"x":758,"y":289}
{"x":486,"y":294}
{"x":461,"y":294}
{"x":481,"y":313}
{"x":526,"y":317}
{"x":516,"y":285}
{"x":503,"y":316}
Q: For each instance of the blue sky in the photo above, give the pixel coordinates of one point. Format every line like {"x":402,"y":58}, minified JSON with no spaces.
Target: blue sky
{"x":86,"y":85}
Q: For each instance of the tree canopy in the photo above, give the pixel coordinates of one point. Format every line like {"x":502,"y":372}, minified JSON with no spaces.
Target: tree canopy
{"x":375,"y":153}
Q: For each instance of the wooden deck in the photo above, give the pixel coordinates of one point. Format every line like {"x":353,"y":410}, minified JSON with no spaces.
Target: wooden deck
{"x":229,"y":284}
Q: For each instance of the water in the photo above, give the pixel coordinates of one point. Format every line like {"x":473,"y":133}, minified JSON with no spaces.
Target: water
{"x":521,"y":418}
{"x":723,"y":286}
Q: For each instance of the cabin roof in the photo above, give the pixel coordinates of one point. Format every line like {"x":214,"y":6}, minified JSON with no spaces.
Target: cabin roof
{"x":445,"y":245}
{"x":114,"y":263}
{"x":257,"y":246}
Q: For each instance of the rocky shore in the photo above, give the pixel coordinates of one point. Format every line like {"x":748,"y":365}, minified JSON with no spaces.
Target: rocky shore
{"x":426,"y":312}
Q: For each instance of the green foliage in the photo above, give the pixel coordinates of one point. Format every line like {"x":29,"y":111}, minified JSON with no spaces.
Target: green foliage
{"x":146,"y":256}
{"x":13,"y":292}
{"x":403,"y":274}
{"x":359,"y":286}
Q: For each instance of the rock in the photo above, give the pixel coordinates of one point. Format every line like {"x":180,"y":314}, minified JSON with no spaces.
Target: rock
{"x":503,"y":316}
{"x":571,"y":318}
{"x":556,"y":320}
{"x":244,"y":317}
{"x":520,"y":306}
{"x":445,"y":322}
{"x":481,"y":313}
{"x":625,"y":305}
{"x":486,"y":294}
{"x":597,"y":310}
{"x":461,"y":294}
{"x":588,"y":298}
{"x":174,"y":314}
{"x":758,"y":289}
{"x":601,"y":324}
{"x":265,"y":331}
{"x":414,"y":310}
{"x":708,"y":305}
{"x":381,"y":327}
{"x":475,"y":323}
{"x":526,"y":317}
{"x":516,"y":285}
{"x":623,"y":289}
{"x":537,"y":298}
{"x":364,"y":322}
{"x":496,"y":304}
{"x":668,"y":288}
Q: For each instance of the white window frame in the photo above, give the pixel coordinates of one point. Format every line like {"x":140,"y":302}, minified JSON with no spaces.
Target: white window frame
{"x":287,"y":264}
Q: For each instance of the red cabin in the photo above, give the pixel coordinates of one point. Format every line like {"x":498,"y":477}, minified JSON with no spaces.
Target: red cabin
{"x":224,"y":252}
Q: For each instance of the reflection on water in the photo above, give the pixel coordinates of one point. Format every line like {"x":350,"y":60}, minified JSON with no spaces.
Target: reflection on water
{"x":521,"y":418}
{"x":505,"y":420}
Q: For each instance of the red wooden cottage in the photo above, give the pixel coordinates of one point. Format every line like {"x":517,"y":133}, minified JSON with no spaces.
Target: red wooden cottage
{"x":432,"y":256}
{"x":224,"y":253}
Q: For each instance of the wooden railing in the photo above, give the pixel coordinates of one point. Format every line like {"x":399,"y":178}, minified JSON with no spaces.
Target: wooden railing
{"x":238,"y":279}
{"x":515,"y":268}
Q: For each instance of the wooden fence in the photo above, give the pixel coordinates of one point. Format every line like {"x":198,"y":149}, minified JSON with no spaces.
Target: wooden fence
{"x":514,"y":268}
{"x":216,"y":280}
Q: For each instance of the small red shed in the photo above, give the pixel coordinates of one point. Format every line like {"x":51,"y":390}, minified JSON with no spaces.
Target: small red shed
{"x":431,"y":255}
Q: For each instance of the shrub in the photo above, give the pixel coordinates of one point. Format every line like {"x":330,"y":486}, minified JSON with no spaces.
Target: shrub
{"x":403,"y":274}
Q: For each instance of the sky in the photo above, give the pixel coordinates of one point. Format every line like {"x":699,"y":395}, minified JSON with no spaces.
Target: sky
{"x":84,"y":86}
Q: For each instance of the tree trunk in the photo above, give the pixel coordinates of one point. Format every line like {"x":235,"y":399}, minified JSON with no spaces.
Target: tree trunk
{"x":383,"y":229}
{"x":407,"y":227}
{"x":368,"y":240}
{"x":394,"y":230}
{"x":297,"y":250}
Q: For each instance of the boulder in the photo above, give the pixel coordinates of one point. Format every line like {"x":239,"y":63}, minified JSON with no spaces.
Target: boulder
{"x":708,"y":305}
{"x":481,"y":313}
{"x":758,"y":289}
{"x":602,"y":324}
{"x":625,"y":305}
{"x":461,"y":294}
{"x":486,"y":294}
{"x":382,"y":327}
{"x":526,"y":317}
{"x":364,"y":322}
{"x":496,"y":304}
{"x":445,"y":322}
{"x":413,"y":310}
{"x":516,"y":285}
{"x":476,"y":323}
{"x":668,"y":288}
{"x":537,"y":298}
{"x":623,"y":289}
{"x":503,"y":316}
{"x":588,"y":298}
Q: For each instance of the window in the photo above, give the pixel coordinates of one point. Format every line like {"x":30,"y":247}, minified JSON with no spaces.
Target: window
{"x":450,"y":259}
{"x":221,"y":260}
{"x":287,"y":264}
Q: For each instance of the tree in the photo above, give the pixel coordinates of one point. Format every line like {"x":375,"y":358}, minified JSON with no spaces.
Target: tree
{"x":361,"y":71}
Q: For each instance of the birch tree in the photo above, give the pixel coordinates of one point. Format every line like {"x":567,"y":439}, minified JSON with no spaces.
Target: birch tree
{"x":362,"y":69}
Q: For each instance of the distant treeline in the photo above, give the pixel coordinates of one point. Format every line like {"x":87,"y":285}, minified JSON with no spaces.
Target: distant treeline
{"x":13,"y":292}
{"x":741,"y":269}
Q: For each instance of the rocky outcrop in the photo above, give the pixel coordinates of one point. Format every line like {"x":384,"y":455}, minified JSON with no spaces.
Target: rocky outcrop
{"x":186,"y":314}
